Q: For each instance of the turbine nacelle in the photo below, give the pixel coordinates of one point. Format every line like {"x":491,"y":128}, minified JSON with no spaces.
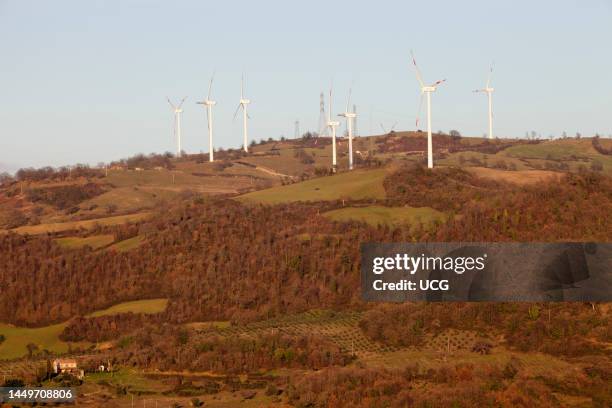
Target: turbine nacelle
{"x":207,"y":103}
{"x":348,"y":115}
{"x":245,"y":101}
{"x":332,"y":123}
{"x":428,"y":89}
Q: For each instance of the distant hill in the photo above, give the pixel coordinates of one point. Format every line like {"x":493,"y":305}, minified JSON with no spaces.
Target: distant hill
{"x":277,"y":171}
{"x":8,"y":168}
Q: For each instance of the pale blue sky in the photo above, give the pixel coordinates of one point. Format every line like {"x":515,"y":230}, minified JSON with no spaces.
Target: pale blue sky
{"x":86,"y":81}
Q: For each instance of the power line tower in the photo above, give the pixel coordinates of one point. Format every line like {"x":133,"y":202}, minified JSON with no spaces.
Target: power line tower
{"x":322,"y":117}
{"x":297,"y":129}
{"x":355,"y":131}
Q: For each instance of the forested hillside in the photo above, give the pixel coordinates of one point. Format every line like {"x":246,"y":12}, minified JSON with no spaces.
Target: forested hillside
{"x":218,"y":259}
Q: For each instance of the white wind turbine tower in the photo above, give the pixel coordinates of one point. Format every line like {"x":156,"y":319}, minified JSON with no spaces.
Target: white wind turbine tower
{"x":332,"y":125}
{"x":243,"y":103}
{"x":489,"y":91}
{"x":427,"y":90}
{"x":350,"y":116}
{"x":208,"y":104}
{"x":177,"y":123}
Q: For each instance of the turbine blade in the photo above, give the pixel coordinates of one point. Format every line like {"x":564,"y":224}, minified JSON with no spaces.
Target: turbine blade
{"x":490,"y":74}
{"x":441,"y":81}
{"x":181,"y":104}
{"x":330,"y":101}
{"x":237,"y":109}
{"x":419,"y":112}
{"x":418,"y":72}
{"x":394,"y":125}
{"x":383,"y":128}
{"x":210,"y":85}
{"x":171,"y":104}
{"x":242,"y":87}
{"x":348,"y":103}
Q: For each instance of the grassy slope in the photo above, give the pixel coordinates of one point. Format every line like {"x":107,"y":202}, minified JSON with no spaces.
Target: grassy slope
{"x":127,"y":244}
{"x":376,"y":215}
{"x":18,"y":337}
{"x":358,"y":184}
{"x":96,"y":241}
{"x":574,"y":152}
{"x":146,"y":306}
{"x":520,"y":177}
{"x":65,"y":226}
{"x":48,"y":337}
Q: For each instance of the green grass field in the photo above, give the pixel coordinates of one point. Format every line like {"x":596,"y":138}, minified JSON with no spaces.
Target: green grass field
{"x":87,"y":224}
{"x":358,"y":184}
{"x":153,"y":181}
{"x":564,"y":149}
{"x":127,"y":244}
{"x":575,"y":152}
{"x":43,"y":337}
{"x":572,"y":152}
{"x":96,"y":241}
{"x":126,"y":199}
{"x":392,"y":216}
{"x":16,"y":338}
{"x":146,"y":306}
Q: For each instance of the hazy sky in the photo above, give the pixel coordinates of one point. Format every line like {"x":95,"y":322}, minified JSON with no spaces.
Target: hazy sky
{"x":86,"y":81}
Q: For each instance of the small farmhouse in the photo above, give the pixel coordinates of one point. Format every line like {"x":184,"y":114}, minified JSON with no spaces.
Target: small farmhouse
{"x":66,"y":366}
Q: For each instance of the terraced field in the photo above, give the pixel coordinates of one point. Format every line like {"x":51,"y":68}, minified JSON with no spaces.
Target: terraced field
{"x":339,"y":327}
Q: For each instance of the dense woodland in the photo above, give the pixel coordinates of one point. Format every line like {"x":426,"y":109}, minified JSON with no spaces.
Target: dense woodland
{"x":217,"y":259}
{"x":453,"y":385}
{"x":65,"y":196}
{"x":58,"y":174}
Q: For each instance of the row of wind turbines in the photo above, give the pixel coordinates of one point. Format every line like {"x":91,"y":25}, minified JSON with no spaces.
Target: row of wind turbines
{"x":426,"y":91}
{"x":208,"y":104}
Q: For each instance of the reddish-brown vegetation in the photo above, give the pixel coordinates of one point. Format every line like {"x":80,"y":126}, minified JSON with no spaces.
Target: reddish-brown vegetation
{"x":167,"y":348}
{"x":570,"y":329}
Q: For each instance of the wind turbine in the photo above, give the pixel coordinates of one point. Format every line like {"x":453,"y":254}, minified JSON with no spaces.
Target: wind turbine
{"x":489,"y":91}
{"x":177,"y":123}
{"x":243,"y":103}
{"x":349,"y":126}
{"x":427,"y":90}
{"x":385,"y":130}
{"x":208,"y":104}
{"x":332,"y":125}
